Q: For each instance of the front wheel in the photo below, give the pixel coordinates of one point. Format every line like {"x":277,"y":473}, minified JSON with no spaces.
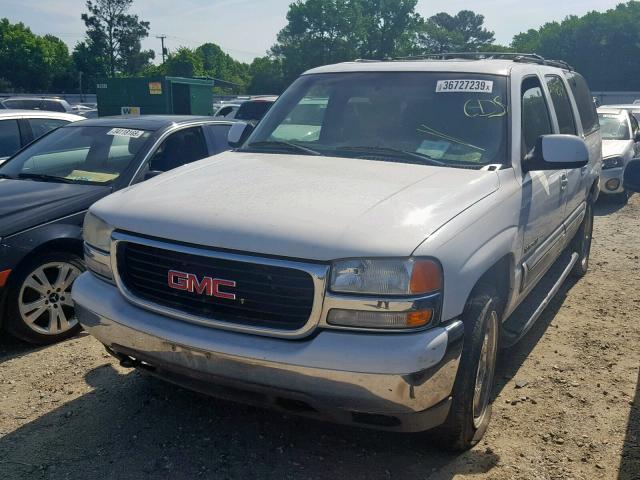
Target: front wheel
{"x":470,"y":411}
{"x":39,"y":305}
{"x":581,"y":243}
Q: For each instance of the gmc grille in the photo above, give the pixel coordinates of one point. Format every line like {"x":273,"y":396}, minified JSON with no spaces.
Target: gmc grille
{"x":266,"y":296}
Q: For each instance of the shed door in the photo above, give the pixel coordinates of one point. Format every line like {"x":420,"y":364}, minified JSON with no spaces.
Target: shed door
{"x":181,"y":99}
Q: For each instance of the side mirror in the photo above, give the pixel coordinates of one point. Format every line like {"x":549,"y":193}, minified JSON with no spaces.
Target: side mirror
{"x":238,"y":133}
{"x":557,"y":152}
{"x":631,"y":180}
{"x":152,"y":173}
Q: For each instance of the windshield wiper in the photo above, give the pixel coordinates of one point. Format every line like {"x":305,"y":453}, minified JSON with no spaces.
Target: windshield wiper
{"x":280,"y":143}
{"x":4,"y":175}
{"x":418,"y":158}
{"x":44,"y":177}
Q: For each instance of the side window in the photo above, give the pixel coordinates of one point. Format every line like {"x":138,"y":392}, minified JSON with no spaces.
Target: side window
{"x":561,"y":104}
{"x":217,"y":138}
{"x":40,"y":126}
{"x":584,"y":100}
{"x":535,"y":114}
{"x":53,"y":106}
{"x":184,"y":146}
{"x":634,"y":124}
{"x":9,"y":138}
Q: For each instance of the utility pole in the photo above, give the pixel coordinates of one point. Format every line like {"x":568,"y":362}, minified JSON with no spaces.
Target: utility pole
{"x":164,"y":50}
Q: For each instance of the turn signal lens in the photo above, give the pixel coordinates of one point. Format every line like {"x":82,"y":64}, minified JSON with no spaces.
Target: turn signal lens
{"x":426,"y":277}
{"x":381,"y":320}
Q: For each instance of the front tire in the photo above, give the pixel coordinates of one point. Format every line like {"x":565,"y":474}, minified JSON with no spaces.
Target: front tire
{"x":581,"y":243}
{"x":39,"y":305}
{"x":470,"y":412}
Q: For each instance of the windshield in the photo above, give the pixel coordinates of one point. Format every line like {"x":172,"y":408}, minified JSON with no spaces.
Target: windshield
{"x":443,"y":118}
{"x":614,"y":127}
{"x":96,"y":155}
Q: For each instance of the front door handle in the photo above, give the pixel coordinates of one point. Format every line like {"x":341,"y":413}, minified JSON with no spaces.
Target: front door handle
{"x":564,"y":181}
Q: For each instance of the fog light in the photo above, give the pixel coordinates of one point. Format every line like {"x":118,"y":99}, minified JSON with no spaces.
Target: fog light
{"x":612,"y":184}
{"x":388,"y":320}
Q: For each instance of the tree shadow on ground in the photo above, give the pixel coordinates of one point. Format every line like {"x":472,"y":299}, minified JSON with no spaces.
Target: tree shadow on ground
{"x":630,"y":460}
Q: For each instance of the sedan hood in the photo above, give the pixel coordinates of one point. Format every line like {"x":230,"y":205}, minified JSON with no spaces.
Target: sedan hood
{"x":612,"y":148}
{"x":316,"y":208}
{"x":25,"y":204}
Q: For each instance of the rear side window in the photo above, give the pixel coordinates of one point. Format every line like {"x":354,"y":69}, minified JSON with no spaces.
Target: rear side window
{"x":180,"y":148}
{"x":217,"y":138}
{"x":562,"y":105}
{"x":53,"y":106}
{"x":9,"y":138}
{"x":535,"y":114}
{"x":584,"y":100}
{"x":40,"y":126}
{"x":253,"y":110}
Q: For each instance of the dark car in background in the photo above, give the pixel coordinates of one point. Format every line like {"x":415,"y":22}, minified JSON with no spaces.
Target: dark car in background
{"x":252,"y":110}
{"x":45,"y":190}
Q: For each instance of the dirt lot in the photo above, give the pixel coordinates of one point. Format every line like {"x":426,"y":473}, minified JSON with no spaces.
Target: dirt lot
{"x":567,"y":405}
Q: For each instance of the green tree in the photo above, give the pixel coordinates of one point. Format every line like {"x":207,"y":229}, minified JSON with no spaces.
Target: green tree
{"x":266,"y":76}
{"x":463,"y":32}
{"x":114,"y":35}
{"x":593,"y":44}
{"x":29,"y":62}
{"x":184,"y":62}
{"x":389,"y":27}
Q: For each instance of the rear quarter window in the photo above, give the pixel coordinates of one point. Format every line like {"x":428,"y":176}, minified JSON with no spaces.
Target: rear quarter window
{"x":584,"y":100}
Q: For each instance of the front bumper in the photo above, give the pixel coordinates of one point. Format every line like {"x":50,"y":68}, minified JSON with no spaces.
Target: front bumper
{"x":609,"y":176}
{"x":389,"y":381}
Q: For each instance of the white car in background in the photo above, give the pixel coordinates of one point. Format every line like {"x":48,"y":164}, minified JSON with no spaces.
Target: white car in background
{"x":20,"y":127}
{"x":620,"y":145}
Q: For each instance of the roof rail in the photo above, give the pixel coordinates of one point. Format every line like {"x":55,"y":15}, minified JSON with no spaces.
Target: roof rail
{"x":516,"y":57}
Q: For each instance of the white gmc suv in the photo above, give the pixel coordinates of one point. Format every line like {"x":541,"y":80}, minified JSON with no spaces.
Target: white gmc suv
{"x":364,"y":253}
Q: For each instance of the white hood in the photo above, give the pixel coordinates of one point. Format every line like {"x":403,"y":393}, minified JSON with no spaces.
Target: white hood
{"x":612,"y":148}
{"x":309,"y":207}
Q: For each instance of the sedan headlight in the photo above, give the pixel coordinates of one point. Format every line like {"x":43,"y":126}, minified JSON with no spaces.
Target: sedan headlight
{"x":96,"y":232}
{"x":97,"y":246}
{"x":612,"y":162}
{"x":386,"y":276}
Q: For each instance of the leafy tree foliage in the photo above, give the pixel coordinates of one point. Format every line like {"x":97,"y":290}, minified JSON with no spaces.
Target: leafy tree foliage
{"x":463,"y":32}
{"x":114,"y":36}
{"x":266,"y":76}
{"x":29,"y":62}
{"x":603,"y":46}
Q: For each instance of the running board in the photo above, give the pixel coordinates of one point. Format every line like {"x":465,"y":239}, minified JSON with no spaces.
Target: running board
{"x":528,"y":312}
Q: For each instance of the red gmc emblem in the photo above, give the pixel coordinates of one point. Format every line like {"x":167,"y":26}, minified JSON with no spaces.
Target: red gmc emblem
{"x":188,"y":282}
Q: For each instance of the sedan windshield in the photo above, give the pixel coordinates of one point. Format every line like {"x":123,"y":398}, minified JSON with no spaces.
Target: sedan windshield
{"x":73,"y":154}
{"x":426,"y":118}
{"x":614,"y":127}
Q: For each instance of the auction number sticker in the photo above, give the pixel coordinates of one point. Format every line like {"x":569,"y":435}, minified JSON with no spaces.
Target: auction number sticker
{"x":125,"y":132}
{"x":464,"y":86}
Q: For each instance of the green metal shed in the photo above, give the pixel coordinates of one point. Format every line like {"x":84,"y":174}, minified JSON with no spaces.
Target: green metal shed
{"x":155,"y":95}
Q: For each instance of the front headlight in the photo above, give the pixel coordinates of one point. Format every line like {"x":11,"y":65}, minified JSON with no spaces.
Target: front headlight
{"x":96,"y":232}
{"x":612,"y":162}
{"x":386,"y":276}
{"x":97,"y":247}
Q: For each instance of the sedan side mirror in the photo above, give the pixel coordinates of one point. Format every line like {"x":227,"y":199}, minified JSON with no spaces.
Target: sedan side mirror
{"x":557,"y":152}
{"x":631,"y":180}
{"x":238,"y":133}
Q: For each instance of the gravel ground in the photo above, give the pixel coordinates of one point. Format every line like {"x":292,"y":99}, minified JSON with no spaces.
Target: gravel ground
{"x":567,"y":405}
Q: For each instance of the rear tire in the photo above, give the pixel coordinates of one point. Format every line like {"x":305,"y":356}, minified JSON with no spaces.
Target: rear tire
{"x":581,"y":243}
{"x":38,"y":305}
{"x":470,"y":411}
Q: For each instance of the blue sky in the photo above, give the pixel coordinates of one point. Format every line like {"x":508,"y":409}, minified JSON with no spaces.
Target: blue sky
{"x":247,"y":28}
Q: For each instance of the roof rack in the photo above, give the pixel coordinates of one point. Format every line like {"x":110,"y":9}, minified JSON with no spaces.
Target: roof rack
{"x":516,"y":57}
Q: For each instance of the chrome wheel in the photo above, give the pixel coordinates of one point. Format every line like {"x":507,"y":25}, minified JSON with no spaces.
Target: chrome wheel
{"x":44,"y":301}
{"x":486,"y":370}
